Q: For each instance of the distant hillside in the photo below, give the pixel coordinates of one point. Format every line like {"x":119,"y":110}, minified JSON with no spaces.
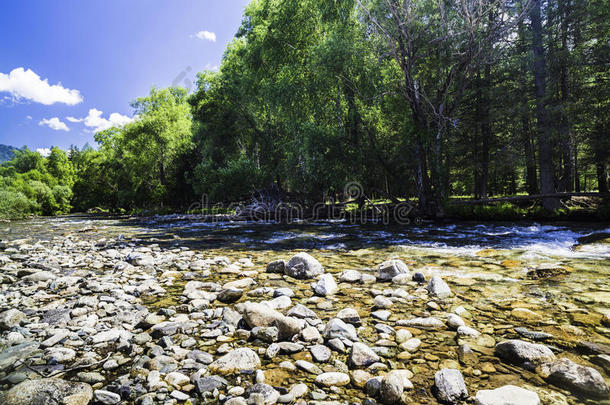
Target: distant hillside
{"x":6,"y":152}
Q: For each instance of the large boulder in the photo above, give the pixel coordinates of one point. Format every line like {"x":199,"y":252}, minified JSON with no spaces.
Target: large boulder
{"x":391,"y":268}
{"x":48,"y":391}
{"x":242,"y":359}
{"x":303,"y":266}
{"x":518,"y":352}
{"x":580,"y":379}
{"x":507,"y":395}
{"x":450,"y":385}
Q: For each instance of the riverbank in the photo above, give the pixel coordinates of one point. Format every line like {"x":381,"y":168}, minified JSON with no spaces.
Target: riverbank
{"x":169,"y":310}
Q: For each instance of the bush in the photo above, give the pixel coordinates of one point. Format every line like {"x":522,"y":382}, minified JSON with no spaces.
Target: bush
{"x":14,"y":205}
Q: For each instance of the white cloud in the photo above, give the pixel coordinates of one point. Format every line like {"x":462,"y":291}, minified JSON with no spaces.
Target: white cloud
{"x":28,"y":117}
{"x":45,"y":152}
{"x":95,"y":120}
{"x":72,"y":119}
{"x":207,"y":35}
{"x":54,"y":123}
{"x":25,"y":84}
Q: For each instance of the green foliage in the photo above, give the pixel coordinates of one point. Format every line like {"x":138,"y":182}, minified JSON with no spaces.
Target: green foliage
{"x":312,"y":94}
{"x":14,"y":204}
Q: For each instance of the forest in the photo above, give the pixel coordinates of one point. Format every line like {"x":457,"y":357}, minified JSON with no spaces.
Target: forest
{"x":426,"y":100}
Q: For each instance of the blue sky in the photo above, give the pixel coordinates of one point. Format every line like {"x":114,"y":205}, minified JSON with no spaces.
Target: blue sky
{"x":97,"y":56}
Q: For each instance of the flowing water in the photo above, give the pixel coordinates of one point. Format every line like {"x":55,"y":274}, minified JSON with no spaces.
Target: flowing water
{"x":488,"y":266}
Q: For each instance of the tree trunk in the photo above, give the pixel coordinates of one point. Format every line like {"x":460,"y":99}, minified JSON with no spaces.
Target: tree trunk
{"x":545,"y":158}
{"x":484,"y":120}
{"x":565,"y":135}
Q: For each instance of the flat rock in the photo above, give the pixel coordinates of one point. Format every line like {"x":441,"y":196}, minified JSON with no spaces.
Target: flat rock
{"x":507,"y":395}
{"x":332,"y":379}
{"x":519,"y":352}
{"x":422,"y":323}
{"x":22,"y":351}
{"x":48,"y":391}
{"x":565,"y":373}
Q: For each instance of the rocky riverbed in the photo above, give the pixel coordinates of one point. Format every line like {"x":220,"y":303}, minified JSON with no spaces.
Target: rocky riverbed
{"x":109,"y":316}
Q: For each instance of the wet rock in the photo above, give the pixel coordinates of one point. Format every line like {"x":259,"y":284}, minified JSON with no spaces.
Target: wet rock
{"x":602,"y":360}
{"x":455,"y":321}
{"x":48,"y":391}
{"x":439,"y":288}
{"x":391,"y":268}
{"x":11,"y":318}
{"x":450,"y":386}
{"x":230,"y":295}
{"x":584,"y":380}
{"x":525,"y":315}
{"x":303,"y":266}
{"x":9,"y":356}
{"x":466,"y":355}
{"x":422,"y":323}
{"x":242,"y":359}
{"x":411,"y":345}
{"x":548,"y":270}
{"x":326,"y":285}
{"x":106,"y":397}
{"x":519,"y":352}
{"x":507,"y":395}
{"x":332,"y":379}
{"x":336,"y":328}
{"x":392,"y":388}
{"x":349,"y":315}
{"x":467,"y":331}
{"x":419,"y":277}
{"x":362,"y":356}
{"x":533,"y":335}
{"x":277,"y":266}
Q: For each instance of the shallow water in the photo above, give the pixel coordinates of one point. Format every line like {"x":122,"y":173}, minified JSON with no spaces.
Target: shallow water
{"x":486,"y":266}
